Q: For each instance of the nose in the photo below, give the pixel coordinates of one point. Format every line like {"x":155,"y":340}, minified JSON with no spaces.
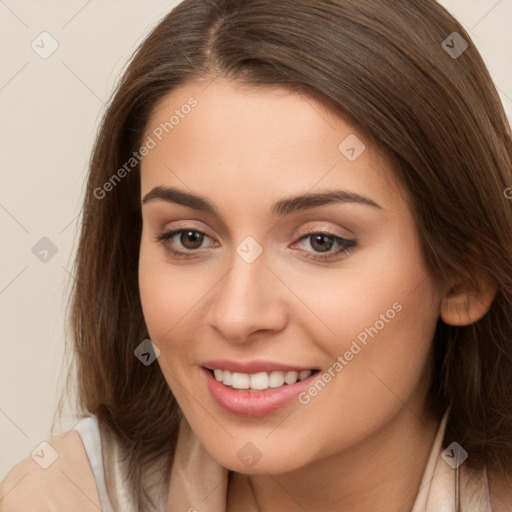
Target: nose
{"x":249,"y":299}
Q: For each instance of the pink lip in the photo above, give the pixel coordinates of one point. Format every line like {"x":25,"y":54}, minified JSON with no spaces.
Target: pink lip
{"x":253,"y":403}
{"x":251,"y":366}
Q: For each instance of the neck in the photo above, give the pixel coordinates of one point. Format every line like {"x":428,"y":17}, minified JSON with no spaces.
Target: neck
{"x":385,"y":469}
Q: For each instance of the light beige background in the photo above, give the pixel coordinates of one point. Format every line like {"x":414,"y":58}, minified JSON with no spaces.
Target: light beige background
{"x":50,"y":110}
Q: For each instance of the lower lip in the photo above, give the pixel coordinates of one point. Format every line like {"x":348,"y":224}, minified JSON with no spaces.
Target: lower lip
{"x":254,"y":403}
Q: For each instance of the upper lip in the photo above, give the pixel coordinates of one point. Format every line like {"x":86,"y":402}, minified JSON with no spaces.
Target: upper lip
{"x":254,"y":366}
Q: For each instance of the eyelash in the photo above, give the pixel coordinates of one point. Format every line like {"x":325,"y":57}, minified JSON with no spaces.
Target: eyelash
{"x":346,"y":245}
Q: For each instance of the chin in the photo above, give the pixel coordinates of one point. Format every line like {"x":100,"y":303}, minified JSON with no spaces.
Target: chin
{"x":256,"y":462}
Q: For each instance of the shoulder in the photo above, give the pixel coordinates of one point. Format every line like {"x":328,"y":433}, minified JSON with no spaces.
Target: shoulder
{"x":57,"y":476}
{"x":500,"y":491}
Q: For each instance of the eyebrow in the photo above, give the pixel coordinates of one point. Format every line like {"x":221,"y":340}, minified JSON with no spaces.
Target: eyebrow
{"x":285,"y":206}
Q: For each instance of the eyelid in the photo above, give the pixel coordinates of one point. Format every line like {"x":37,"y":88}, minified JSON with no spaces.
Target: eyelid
{"x":190,"y":225}
{"x":320,"y":227}
{"x":347,"y":245}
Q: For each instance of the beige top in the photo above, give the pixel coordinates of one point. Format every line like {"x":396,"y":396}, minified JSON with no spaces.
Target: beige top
{"x":88,"y":475}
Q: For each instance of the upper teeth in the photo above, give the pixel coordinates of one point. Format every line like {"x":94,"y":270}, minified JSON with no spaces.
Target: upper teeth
{"x":259,"y":381}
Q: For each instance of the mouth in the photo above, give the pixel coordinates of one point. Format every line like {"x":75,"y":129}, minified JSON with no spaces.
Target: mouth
{"x":259,"y":381}
{"x":256,"y":394}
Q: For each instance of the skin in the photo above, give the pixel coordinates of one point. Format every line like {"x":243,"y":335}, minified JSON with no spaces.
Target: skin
{"x":245,"y":148}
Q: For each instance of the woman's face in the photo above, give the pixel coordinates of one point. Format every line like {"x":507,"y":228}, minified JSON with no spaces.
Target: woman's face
{"x":336,"y":285}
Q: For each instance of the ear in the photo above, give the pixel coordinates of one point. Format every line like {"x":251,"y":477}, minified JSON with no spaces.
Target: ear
{"x":463,"y":306}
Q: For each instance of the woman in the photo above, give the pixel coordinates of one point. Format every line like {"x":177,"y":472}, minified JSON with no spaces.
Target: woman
{"x":293,"y":284}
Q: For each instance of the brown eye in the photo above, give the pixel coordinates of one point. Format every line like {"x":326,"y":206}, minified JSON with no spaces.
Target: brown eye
{"x":326,"y":246}
{"x":321,"y":242}
{"x":191,"y":239}
{"x":185,"y":245}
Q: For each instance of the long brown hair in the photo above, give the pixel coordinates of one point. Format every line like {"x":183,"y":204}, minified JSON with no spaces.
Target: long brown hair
{"x":437,"y":116}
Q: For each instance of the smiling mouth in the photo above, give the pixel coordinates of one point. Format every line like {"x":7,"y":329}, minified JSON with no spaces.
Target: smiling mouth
{"x":259,"y":381}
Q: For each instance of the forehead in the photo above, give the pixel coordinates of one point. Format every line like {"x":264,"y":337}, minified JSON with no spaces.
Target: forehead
{"x":264,"y":116}
{"x":220,"y":136}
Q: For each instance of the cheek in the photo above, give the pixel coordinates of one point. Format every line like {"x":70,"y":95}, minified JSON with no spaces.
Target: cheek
{"x":170,"y":294}
{"x":379,"y":290}
{"x":385,"y":349}
{"x":379,"y":314}
{"x":159,"y":291}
